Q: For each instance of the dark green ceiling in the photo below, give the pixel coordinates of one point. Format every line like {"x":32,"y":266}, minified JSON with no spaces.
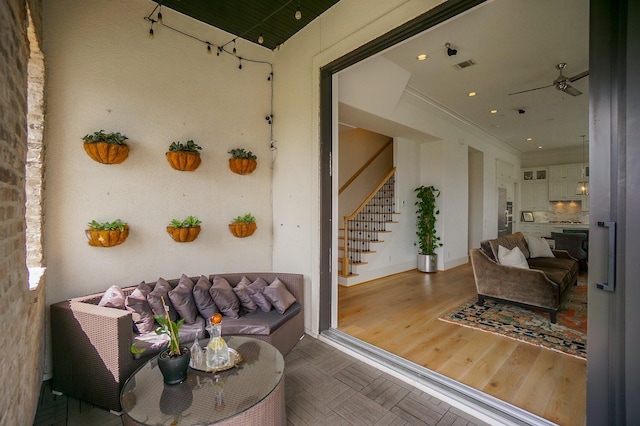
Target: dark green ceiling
{"x":247,"y":19}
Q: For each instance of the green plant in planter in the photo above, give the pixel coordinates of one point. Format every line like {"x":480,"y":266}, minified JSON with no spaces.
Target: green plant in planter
{"x":189,"y":222}
{"x":171,"y":329}
{"x":190,"y":146}
{"x":426,"y":221}
{"x":107,"y":226}
{"x":247,"y":218}
{"x":242,"y":153}
{"x":113,"y":138}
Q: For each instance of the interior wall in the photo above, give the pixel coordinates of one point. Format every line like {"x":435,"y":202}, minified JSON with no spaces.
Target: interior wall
{"x":106,"y":73}
{"x":476,"y":197}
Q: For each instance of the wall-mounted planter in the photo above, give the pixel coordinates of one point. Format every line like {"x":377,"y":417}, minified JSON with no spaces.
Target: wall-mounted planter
{"x":106,"y":238}
{"x":242,"y":229}
{"x":107,"y":153}
{"x":242,"y":166}
{"x":184,"y":161}
{"x":184,"y":235}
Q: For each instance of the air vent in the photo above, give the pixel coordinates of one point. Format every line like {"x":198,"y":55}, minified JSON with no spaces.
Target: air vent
{"x":465,"y":64}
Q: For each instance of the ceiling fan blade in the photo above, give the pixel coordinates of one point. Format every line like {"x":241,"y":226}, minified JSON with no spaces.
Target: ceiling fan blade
{"x":571,"y":90}
{"x":578,"y":76}
{"x":531,"y":90}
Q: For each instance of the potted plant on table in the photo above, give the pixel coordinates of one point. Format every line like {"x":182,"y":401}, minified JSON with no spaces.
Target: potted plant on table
{"x":426,"y":228}
{"x":107,"y":234}
{"x":106,"y":148}
{"x":173,"y":361}
{"x":184,"y":231}
{"x":243,"y":226}
{"x":184,"y":157}
{"x":242,"y":162}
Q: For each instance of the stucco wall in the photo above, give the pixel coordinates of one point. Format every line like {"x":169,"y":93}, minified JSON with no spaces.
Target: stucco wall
{"x":105,"y":73}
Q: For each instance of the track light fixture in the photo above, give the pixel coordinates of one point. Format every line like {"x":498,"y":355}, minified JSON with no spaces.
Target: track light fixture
{"x":450,"y":51}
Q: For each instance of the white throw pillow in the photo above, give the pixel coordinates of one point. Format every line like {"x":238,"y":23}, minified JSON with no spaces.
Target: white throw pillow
{"x":538,"y":247}
{"x":512,"y":257}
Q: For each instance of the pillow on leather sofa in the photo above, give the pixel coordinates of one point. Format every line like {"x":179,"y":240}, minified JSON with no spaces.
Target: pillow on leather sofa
{"x":224,"y":297}
{"x":182,"y":298}
{"x":141,"y":313}
{"x":538,"y":247}
{"x":513,"y":257}
{"x":204,"y":302}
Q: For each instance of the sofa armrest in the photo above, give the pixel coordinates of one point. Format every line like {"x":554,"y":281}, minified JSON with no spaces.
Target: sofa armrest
{"x":563,"y":254}
{"x":91,"y":343}
{"x":528,"y":286}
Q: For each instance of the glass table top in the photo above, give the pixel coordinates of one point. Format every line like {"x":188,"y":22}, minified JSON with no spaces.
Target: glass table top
{"x":204,"y":397}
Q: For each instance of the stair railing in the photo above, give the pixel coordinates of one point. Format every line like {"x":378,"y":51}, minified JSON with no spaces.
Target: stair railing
{"x":374,"y":218}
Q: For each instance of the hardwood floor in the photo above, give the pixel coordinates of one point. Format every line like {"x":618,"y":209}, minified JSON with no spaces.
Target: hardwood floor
{"x":400,"y":314}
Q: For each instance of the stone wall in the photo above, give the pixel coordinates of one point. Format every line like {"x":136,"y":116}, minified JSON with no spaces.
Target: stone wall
{"x":21,"y":309}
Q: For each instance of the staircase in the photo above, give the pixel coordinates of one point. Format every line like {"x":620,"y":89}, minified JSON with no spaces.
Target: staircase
{"x":361,"y":231}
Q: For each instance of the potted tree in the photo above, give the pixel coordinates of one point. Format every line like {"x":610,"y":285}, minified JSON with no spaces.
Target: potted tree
{"x":242,"y":162}
{"x":243,"y":226}
{"x":184,"y":157}
{"x":184,"y":231}
{"x":426,"y":228}
{"x":106,"y":148}
{"x":107,"y":234}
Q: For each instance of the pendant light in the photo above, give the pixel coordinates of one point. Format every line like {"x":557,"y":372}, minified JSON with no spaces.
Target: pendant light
{"x":583,"y":186}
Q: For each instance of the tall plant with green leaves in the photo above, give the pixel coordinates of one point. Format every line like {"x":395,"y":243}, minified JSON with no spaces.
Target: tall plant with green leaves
{"x":426,"y":211}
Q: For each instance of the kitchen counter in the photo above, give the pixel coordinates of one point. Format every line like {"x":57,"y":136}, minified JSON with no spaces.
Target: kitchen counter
{"x":544,"y":229}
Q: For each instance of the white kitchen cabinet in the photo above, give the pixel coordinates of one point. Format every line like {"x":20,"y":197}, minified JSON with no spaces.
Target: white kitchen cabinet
{"x":535,"y":195}
{"x":563,"y":179}
{"x":534,"y":174}
{"x":504,"y":170}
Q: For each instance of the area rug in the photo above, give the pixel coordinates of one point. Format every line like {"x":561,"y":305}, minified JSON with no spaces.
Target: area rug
{"x":568,"y":335}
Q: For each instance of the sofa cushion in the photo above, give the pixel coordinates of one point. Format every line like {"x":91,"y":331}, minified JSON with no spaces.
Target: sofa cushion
{"x":279,"y":296}
{"x":513,"y":257}
{"x":563,"y":272}
{"x":255,"y":291}
{"x":141,"y":313}
{"x":113,"y":298}
{"x":182,"y":298}
{"x":161,"y":291}
{"x":245,"y":299}
{"x":258,"y":322}
{"x":224,"y":297}
{"x":510,"y":241}
{"x":204,"y":302}
{"x":538,"y":247}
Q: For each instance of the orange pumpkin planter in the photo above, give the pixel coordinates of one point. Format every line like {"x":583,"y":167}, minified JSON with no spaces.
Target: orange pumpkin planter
{"x":107,"y":153}
{"x":106,"y":238}
{"x":242,"y":166}
{"x":184,"y":235}
{"x":242,"y":229}
{"x":183,"y":160}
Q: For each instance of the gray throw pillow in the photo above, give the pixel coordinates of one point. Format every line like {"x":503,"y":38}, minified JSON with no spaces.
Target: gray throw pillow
{"x":112,"y":298}
{"x":182,"y":299}
{"x":141,"y":313}
{"x":203,"y":299}
{"x":161,"y":290}
{"x":245,"y":300}
{"x":255,"y":292}
{"x":279,"y":296}
{"x":224,"y":297}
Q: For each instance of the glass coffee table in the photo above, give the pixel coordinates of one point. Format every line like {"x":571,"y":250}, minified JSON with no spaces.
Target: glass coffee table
{"x":251,"y":393}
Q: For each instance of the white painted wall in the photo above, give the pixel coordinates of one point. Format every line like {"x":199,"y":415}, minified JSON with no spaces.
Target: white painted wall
{"x":103,"y":72}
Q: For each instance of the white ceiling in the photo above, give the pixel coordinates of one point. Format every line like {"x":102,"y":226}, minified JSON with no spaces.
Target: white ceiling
{"x":516,"y":45}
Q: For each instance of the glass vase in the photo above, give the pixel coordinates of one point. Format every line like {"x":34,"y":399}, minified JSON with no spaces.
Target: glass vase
{"x":217,"y":351}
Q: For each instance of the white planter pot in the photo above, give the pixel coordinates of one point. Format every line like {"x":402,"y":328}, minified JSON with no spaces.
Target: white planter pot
{"x":428,"y":262}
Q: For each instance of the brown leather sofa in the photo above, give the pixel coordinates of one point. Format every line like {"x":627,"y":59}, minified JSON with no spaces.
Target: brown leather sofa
{"x":91,"y":344}
{"x":541,"y":286}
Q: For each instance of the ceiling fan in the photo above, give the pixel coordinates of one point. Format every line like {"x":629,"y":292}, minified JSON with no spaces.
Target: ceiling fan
{"x":561,"y":83}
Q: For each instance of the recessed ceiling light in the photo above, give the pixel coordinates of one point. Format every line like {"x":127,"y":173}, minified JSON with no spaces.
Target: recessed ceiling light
{"x":529,"y":139}
{"x":540,"y":147}
{"x":422,"y":57}
{"x":494,"y":111}
{"x":472,"y":94}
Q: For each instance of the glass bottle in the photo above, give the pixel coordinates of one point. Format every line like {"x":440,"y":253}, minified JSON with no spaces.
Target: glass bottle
{"x":196,"y":352}
{"x":217,"y":350}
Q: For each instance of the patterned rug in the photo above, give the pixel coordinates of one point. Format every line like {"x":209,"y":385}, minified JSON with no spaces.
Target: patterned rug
{"x":568,"y":335}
